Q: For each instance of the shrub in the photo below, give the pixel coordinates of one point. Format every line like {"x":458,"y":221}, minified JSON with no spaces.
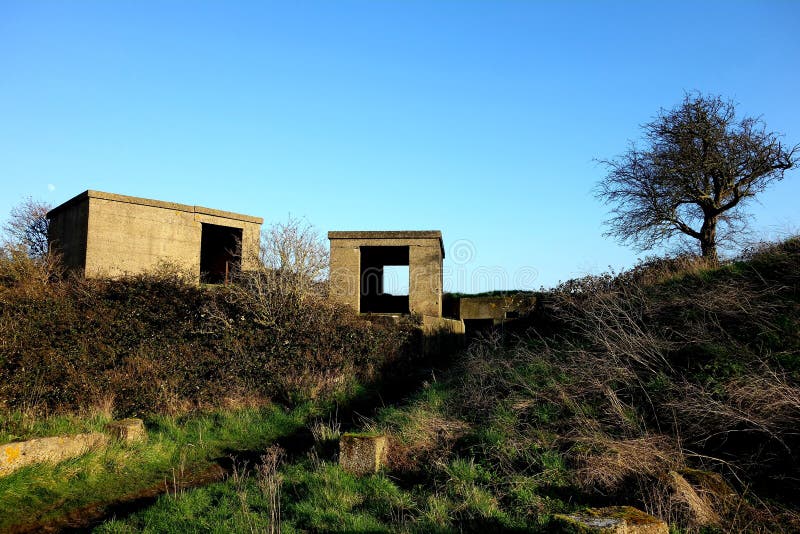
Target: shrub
{"x":160,"y":343}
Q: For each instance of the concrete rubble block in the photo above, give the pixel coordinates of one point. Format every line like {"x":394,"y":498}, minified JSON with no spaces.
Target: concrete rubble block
{"x":357,"y":261}
{"x":127,"y":430}
{"x":442,"y":335}
{"x":51,"y":449}
{"x":611,"y":520}
{"x":362,"y":454}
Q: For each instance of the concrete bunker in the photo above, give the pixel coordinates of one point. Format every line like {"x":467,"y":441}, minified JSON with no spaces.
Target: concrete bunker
{"x":358,"y":263}
{"x":358,"y":268}
{"x":109,"y":235}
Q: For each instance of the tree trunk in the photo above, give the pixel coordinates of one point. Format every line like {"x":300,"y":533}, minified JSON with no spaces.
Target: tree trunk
{"x":708,"y":239}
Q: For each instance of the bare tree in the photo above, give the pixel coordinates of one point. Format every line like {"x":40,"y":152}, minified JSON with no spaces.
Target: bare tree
{"x":27,"y":226}
{"x":699,"y":165}
{"x":295,"y":247}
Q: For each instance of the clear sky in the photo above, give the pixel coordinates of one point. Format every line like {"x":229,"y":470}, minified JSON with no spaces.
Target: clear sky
{"x":478,"y":118}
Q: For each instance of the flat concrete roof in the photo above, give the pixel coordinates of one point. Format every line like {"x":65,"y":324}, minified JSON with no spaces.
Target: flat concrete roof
{"x":155,"y":204}
{"x":388,"y":234}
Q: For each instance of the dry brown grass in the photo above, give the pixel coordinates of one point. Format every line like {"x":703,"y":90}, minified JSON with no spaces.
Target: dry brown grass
{"x":425,"y":437}
{"x":766,"y":405}
{"x":22,"y":276}
{"x":674,"y":364}
{"x":608,"y":463}
{"x":270,"y":481}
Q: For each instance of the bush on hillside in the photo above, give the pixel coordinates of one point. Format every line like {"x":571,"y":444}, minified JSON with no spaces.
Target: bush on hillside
{"x":159,"y":342}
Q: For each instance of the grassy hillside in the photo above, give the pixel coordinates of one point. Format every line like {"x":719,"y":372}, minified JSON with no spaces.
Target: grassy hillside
{"x":214,"y":371}
{"x":620,"y":379}
{"x":615,"y":382}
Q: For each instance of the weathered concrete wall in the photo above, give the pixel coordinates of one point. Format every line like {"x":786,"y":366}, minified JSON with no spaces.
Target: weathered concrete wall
{"x":345,"y":282}
{"x":496,"y":308}
{"x":436,"y":325}
{"x":442,"y":336}
{"x":67,"y":233}
{"x":425,"y":278}
{"x":129,"y":235}
{"x":425,"y":266}
{"x":127,"y":238}
{"x":483,"y":307}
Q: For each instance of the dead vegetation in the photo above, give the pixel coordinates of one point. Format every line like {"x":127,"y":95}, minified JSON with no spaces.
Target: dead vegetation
{"x":626,"y":381}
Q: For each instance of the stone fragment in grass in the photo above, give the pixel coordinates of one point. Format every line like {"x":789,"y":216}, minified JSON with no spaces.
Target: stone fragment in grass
{"x":127,"y":430}
{"x":611,"y":520}
{"x":52,"y":449}
{"x":362,"y":454}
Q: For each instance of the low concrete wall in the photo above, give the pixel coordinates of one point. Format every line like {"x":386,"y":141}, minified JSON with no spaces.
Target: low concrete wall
{"x":497,"y":308}
{"x":438,"y":325}
{"x":441,"y":335}
{"x":54,"y":449}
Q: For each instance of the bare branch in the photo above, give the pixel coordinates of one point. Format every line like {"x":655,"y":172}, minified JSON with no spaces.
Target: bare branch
{"x":27,"y":226}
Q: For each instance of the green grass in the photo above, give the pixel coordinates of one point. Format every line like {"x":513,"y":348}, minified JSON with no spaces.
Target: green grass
{"x":321,"y":497}
{"x":316,"y":498}
{"x":462,"y":493}
{"x":175,"y":446}
{"x":18,"y":425}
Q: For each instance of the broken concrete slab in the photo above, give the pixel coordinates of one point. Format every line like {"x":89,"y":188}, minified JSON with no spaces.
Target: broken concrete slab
{"x":611,"y":520}
{"x":52,"y":449}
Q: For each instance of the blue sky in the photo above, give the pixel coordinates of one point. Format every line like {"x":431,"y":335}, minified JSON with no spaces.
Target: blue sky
{"x":481,"y":119}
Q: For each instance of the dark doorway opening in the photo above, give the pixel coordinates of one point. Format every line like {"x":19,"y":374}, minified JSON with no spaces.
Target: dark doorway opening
{"x":373,"y":299}
{"x":219,"y":253}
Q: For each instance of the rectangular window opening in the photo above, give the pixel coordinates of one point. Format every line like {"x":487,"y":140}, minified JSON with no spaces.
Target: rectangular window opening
{"x":384,"y":280}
